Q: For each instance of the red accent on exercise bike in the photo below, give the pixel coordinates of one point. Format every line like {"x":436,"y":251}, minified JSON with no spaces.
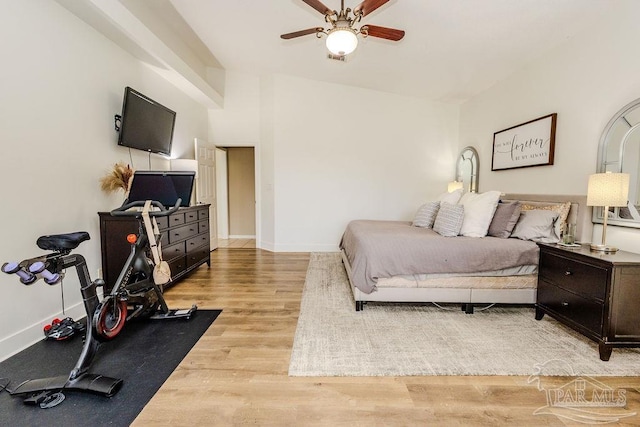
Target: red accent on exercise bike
{"x":109,"y":319}
{"x":132,"y":238}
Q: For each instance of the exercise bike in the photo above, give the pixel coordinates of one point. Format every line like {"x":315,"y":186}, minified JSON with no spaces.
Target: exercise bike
{"x":135,"y":295}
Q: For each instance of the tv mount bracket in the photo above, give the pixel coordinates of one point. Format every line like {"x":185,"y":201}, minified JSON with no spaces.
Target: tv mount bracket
{"x":118,"y":121}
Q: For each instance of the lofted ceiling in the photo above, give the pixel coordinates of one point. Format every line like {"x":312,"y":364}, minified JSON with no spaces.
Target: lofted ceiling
{"x":452,"y":50}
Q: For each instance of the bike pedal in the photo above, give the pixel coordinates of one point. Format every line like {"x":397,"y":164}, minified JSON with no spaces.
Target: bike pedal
{"x":36,"y":398}
{"x":52,"y":400}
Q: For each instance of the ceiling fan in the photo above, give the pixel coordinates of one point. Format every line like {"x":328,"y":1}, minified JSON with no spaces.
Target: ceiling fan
{"x":342,"y":36}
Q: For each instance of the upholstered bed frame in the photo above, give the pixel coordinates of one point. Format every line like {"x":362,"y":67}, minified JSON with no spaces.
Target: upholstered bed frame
{"x":469,"y":290}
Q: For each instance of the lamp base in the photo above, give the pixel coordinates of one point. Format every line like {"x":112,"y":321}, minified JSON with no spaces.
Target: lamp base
{"x":603,"y":248}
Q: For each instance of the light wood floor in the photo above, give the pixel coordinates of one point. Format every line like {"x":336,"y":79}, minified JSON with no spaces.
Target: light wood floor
{"x":237,"y":243}
{"x":237,"y":373}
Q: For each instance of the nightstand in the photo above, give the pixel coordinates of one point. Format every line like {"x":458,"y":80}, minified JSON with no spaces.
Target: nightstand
{"x":596,"y":294}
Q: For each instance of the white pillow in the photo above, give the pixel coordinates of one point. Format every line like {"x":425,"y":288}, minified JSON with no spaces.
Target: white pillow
{"x":478,"y":212}
{"x":451,"y":198}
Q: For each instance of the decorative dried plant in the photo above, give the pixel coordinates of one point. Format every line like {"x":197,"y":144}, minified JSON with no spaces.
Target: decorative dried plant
{"x":118,"y":179}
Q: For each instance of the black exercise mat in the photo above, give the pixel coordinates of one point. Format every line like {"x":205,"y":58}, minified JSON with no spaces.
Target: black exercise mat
{"x":144,"y":355}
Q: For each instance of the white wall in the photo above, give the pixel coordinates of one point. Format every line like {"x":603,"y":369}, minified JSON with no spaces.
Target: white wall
{"x":586,"y":81}
{"x":327,"y":154}
{"x":343,"y":153}
{"x":61,"y":84}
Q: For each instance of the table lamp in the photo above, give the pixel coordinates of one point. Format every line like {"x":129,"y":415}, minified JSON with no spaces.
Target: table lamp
{"x":607,"y":190}
{"x":453,"y":186}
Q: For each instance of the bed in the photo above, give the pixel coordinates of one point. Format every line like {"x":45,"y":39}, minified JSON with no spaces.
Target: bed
{"x":394,"y":261}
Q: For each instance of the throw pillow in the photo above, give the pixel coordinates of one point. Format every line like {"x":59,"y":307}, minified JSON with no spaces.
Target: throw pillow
{"x":478,"y":212}
{"x":426,"y":215}
{"x":453,"y":197}
{"x":537,"y":225}
{"x":504,"y":220}
{"x":561,"y":208}
{"x":449,"y":220}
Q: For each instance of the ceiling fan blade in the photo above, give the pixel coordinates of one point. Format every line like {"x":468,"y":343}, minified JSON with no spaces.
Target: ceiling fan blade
{"x":319,"y":6}
{"x":300,"y":33}
{"x":368,"y":6}
{"x":383,"y":32}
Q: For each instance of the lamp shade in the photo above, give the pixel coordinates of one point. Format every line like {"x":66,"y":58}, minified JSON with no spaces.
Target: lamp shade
{"x":453,"y":186}
{"x":342,"y":41}
{"x":608,"y":189}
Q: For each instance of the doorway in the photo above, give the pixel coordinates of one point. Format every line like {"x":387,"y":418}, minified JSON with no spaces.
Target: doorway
{"x":236,"y":197}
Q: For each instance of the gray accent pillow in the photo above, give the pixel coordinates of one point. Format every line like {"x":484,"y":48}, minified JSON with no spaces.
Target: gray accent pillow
{"x":426,"y":215}
{"x":449,"y":220}
{"x":537,"y":225}
{"x":504,"y":220}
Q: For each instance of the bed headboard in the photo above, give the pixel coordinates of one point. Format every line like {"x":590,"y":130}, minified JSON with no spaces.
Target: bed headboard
{"x":580,"y":213}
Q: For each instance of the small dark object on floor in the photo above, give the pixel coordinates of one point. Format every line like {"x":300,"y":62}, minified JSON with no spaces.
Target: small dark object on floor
{"x":45,"y":399}
{"x":63,"y":329}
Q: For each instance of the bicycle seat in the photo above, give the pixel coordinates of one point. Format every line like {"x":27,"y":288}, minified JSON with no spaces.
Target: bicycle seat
{"x":61,"y":242}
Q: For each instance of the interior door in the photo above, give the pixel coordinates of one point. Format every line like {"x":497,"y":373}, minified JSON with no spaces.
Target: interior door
{"x":206,"y":184}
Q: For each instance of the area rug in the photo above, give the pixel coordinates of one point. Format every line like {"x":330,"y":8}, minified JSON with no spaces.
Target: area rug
{"x":143,"y":356}
{"x":332,"y":339}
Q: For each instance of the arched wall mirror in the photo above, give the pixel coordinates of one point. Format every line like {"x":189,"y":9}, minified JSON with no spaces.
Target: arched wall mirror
{"x":619,"y":151}
{"x":467,"y":168}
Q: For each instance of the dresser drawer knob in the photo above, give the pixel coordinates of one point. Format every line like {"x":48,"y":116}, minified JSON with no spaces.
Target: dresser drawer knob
{"x":568,"y":273}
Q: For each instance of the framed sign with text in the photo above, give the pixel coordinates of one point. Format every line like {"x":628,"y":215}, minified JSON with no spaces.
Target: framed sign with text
{"x":528,"y":144}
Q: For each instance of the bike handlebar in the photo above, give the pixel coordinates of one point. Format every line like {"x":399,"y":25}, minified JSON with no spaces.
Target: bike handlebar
{"x":124,"y":209}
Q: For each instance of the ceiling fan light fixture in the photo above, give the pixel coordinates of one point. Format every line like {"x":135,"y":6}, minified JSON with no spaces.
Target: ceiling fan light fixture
{"x":342,"y":41}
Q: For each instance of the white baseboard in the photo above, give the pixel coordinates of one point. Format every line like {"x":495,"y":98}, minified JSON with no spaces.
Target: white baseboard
{"x":32,"y":334}
{"x":306,"y":248}
{"x":240,"y":236}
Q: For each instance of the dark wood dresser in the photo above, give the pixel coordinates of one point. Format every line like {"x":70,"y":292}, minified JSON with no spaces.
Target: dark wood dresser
{"x":185,"y":242}
{"x":596,"y":294}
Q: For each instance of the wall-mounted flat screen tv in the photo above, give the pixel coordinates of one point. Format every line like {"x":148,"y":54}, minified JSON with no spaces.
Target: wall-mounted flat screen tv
{"x":146,"y":124}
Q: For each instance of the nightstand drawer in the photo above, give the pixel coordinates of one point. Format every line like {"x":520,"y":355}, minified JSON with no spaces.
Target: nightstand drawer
{"x":583,"y":312}
{"x":587,"y":280}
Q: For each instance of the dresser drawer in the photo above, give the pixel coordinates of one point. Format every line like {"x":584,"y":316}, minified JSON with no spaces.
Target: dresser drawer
{"x":198,"y":256}
{"x":581,"y":311}
{"x":203,"y":226}
{"x":196,"y":242}
{"x":583,"y":279}
{"x":183,"y":232}
{"x":203,"y":213}
{"x":191,"y":216}
{"x":163,"y":222}
{"x":176,"y":219}
{"x":177,"y":265}
{"x":170,"y":252}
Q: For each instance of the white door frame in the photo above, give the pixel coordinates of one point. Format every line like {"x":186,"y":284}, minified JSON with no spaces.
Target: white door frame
{"x":222,"y":193}
{"x":258,"y":188}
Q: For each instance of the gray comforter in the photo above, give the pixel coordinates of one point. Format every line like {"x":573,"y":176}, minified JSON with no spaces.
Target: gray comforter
{"x":381,"y":249}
